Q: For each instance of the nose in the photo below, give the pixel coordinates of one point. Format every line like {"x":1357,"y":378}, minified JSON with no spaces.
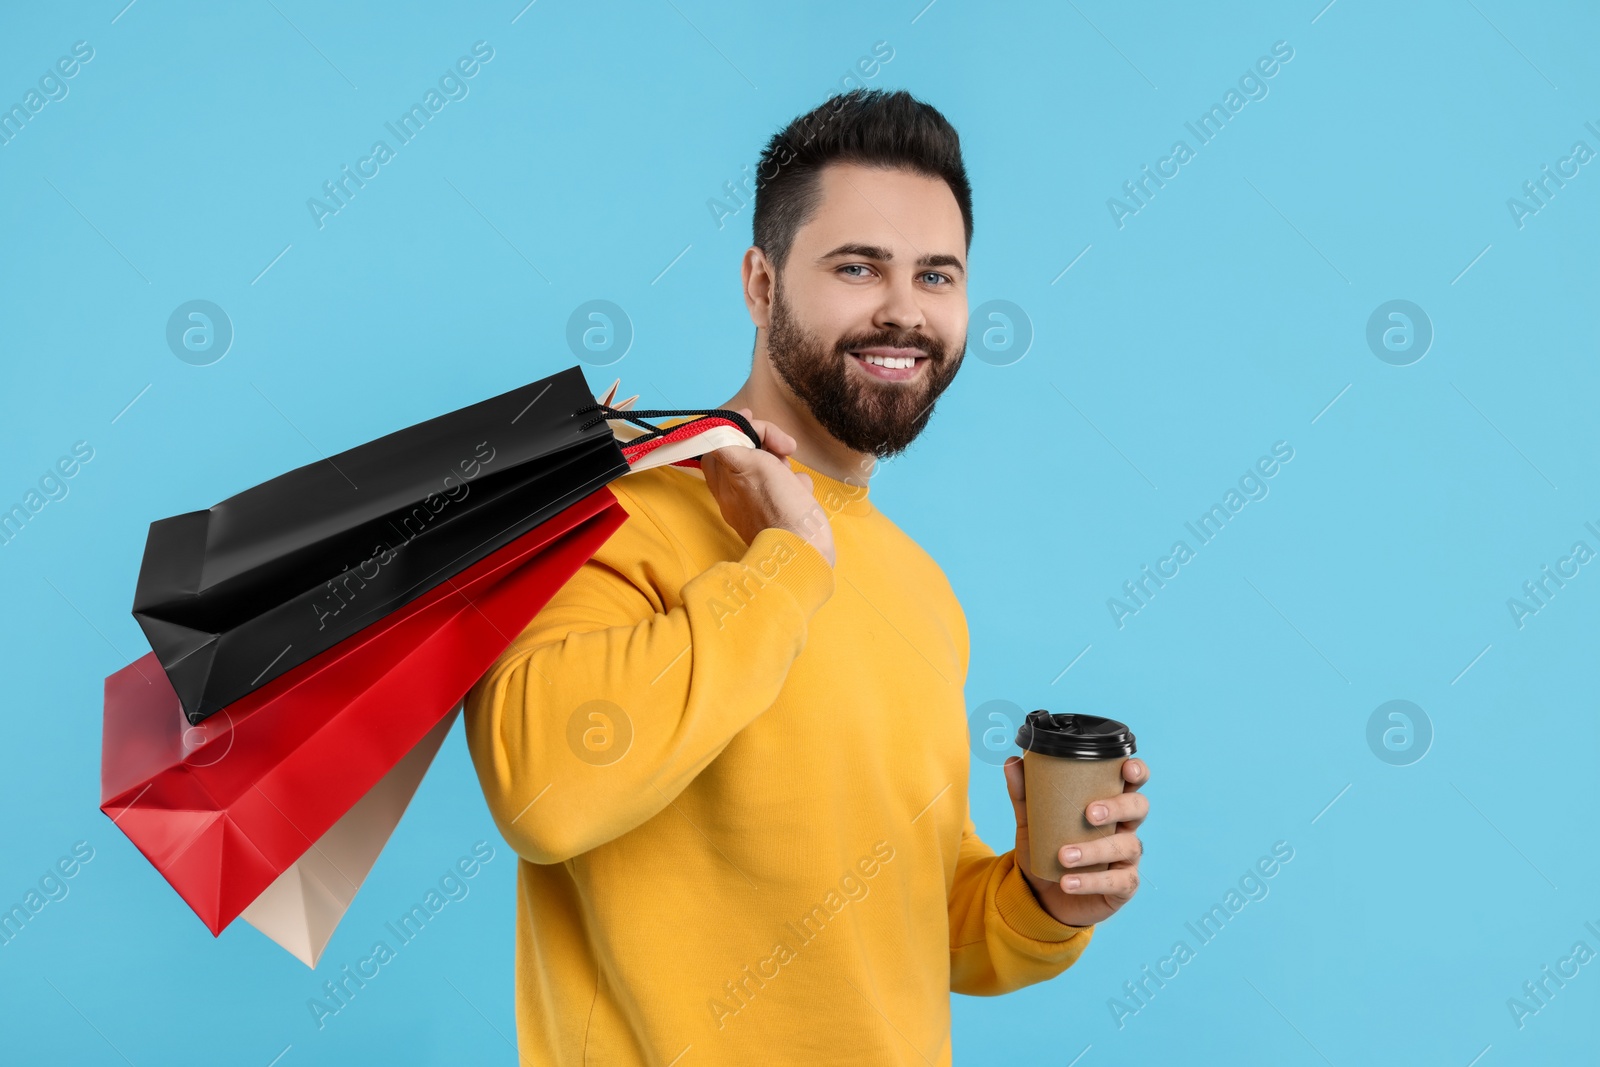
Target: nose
{"x":900,"y":310}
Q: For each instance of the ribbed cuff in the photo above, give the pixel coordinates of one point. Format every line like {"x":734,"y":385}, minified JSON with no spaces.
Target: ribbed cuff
{"x":787,"y":559}
{"x":1022,"y":911}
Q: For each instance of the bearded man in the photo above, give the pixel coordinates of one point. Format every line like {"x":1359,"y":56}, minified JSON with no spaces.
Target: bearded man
{"x":731,"y":753}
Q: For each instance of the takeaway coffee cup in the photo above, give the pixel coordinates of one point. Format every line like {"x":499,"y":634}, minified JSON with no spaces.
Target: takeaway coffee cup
{"x":1067,"y":761}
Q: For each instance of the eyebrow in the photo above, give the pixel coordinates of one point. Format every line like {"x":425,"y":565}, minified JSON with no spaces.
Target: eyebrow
{"x":883,"y":255}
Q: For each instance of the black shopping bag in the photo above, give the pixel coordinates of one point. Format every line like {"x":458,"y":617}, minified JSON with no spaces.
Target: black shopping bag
{"x":238,"y":594}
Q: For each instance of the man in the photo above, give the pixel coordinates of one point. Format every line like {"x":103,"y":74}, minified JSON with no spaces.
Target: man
{"x":732,"y":752}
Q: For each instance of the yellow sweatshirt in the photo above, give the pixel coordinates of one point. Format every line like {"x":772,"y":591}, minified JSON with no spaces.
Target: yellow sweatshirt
{"x":737,"y":782}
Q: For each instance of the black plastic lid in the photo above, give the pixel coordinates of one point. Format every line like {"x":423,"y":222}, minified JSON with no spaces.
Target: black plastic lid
{"x":1074,"y":736}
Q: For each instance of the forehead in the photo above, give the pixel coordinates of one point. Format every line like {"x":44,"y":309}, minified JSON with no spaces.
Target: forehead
{"x":892,"y":208}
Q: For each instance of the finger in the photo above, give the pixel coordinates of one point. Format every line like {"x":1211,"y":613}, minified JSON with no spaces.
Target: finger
{"x":755,"y":424}
{"x":773,"y":439}
{"x":1117,"y":884}
{"x":1015,"y":786}
{"x":739,"y":460}
{"x":777,"y":441}
{"x":1135,"y":772}
{"x":1123,"y":848}
{"x":1129,"y":807}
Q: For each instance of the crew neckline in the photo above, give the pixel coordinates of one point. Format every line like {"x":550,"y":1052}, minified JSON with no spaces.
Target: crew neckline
{"x":835,"y":496}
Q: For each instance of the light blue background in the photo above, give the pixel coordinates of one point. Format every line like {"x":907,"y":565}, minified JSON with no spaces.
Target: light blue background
{"x":1225,"y":316}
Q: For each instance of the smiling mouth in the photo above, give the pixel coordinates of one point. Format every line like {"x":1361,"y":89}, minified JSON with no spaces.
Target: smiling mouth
{"x":890,"y":368}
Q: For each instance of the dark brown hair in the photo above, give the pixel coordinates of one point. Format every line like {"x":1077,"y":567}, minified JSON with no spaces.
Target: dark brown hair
{"x":870,"y":127}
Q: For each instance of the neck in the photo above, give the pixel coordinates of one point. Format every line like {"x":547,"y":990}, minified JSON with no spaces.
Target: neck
{"x":771,"y":400}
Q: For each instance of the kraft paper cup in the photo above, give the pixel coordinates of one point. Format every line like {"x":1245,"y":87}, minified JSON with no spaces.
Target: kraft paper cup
{"x":1068,"y":761}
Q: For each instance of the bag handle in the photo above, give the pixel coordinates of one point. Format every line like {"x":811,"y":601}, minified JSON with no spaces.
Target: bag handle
{"x":607,"y":412}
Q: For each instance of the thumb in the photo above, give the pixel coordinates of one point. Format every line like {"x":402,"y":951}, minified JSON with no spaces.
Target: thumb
{"x":735,"y":459}
{"x":1015,"y":787}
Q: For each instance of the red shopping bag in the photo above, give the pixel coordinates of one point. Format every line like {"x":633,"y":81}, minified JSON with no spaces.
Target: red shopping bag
{"x":223,"y":808}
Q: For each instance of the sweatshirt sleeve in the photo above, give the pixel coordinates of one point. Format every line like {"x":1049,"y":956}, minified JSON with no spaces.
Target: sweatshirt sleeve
{"x":1001,"y":938}
{"x":632,"y":679}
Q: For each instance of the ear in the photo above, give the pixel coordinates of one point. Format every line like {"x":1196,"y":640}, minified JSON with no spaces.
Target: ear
{"x":759,"y":281}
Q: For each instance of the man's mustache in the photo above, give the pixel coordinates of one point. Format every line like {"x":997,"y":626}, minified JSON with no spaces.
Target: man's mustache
{"x":932,"y":349}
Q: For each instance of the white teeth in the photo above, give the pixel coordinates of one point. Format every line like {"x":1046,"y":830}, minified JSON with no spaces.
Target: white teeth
{"x":891,"y":362}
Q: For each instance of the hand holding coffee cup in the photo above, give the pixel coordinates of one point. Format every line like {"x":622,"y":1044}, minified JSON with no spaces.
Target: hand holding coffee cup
{"x":1074,"y":796}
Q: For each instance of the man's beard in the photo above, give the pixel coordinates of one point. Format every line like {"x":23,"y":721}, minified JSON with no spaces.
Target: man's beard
{"x":877,"y":417}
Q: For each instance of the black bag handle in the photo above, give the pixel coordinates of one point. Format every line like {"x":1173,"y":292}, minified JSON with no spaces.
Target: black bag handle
{"x":638,"y":419}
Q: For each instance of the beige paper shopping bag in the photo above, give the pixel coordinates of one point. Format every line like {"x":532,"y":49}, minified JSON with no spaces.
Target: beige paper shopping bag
{"x":303,"y":907}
